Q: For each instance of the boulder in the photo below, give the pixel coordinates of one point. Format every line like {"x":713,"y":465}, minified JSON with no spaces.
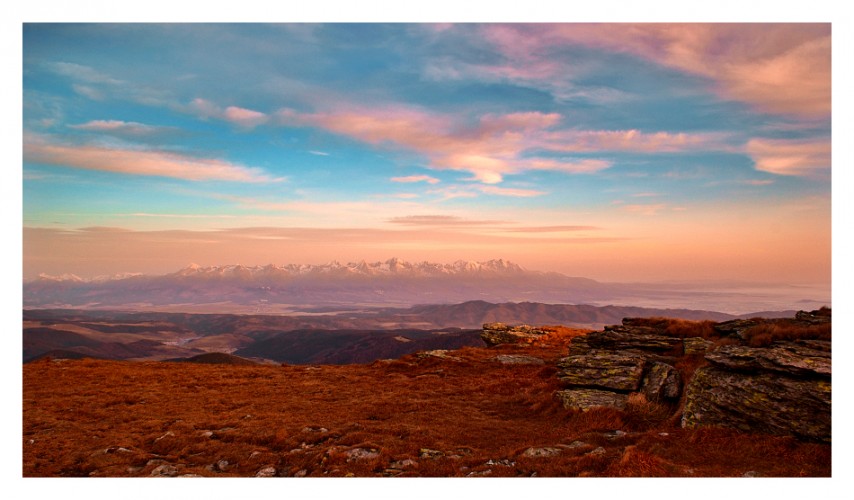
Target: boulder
{"x":766,"y":402}
{"x":541,"y":452}
{"x":622,"y":338}
{"x":585,"y":399}
{"x":661,"y":382}
{"x":814,"y":317}
{"x":792,"y":358}
{"x":604,"y":370}
{"x":518,"y":359}
{"x":269,"y":471}
{"x":736,"y":327}
{"x":494,"y":334}
{"x":696,"y":345}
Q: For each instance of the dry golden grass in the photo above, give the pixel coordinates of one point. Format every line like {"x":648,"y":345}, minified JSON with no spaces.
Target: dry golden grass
{"x":763,"y":335}
{"x":415,"y":416}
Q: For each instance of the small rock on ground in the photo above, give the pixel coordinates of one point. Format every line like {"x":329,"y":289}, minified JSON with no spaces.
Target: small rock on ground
{"x":541,"y":452}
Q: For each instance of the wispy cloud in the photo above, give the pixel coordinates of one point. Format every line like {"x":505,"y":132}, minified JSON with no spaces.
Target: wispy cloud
{"x":98,"y":85}
{"x":242,"y":117}
{"x":440,"y":220}
{"x":495,"y":145}
{"x":790,"y":156}
{"x":758,"y":182}
{"x":519,"y":193}
{"x":83,"y":73}
{"x":179,"y":216}
{"x":416,"y":178}
{"x":778,"y":68}
{"x":123,"y":129}
{"x":41,"y":149}
{"x":645,"y":209}
{"x":550,"y":229}
{"x":319,"y":153}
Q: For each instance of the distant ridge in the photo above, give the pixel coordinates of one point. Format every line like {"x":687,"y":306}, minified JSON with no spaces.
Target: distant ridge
{"x":215,"y":358}
{"x":336,"y":287}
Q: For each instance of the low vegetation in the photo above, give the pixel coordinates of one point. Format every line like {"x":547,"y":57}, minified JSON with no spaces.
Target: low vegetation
{"x":429,"y":414}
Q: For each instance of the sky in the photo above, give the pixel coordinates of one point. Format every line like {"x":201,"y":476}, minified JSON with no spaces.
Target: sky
{"x":618,"y":152}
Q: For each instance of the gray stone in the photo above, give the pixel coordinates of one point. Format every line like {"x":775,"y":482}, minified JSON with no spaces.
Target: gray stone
{"x":165,"y":470}
{"x":494,"y":334}
{"x":617,"y":371}
{"x":585,"y":399}
{"x":696,"y":345}
{"x":541,"y":452}
{"x":763,"y":402}
{"x":428,"y":453}
{"x":402,"y":464}
{"x":813,"y":318}
{"x":361,"y":454}
{"x":661,"y":381}
{"x":437,"y":353}
{"x":518,"y":359}
{"x":622,"y":338}
{"x":791,"y":358}
{"x":266,"y":472}
{"x":735,"y":327}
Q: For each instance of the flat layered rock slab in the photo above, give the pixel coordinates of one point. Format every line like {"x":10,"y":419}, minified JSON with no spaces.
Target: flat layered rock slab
{"x":585,"y":399}
{"x":518,"y":359}
{"x":793,"y":358}
{"x":621,"y":338}
{"x":621,"y":372}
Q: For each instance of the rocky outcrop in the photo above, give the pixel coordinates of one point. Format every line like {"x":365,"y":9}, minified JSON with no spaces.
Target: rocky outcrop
{"x":494,"y":334}
{"x":604,"y":367}
{"x":782,"y":389}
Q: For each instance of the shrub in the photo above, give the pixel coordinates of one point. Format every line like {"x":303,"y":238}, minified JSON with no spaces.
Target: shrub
{"x":642,"y":414}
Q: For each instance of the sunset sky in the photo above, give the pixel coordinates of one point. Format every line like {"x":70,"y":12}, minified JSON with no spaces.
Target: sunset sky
{"x":625,"y":152}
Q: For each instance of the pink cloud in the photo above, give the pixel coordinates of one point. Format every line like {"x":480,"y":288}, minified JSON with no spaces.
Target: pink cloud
{"x":242,"y":117}
{"x":631,"y":140}
{"x":777,"y":68}
{"x":119,"y":127}
{"x":489,"y":149}
{"x":38,"y":149}
{"x":519,"y":193}
{"x":494,"y":146}
{"x":416,"y":178}
{"x":648,"y":209}
{"x":790,"y":156}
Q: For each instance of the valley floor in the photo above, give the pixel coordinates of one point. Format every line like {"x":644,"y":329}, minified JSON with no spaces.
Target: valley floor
{"x":453,"y":413}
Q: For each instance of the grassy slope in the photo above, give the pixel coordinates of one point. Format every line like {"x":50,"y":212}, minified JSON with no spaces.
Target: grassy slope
{"x":106,"y":418}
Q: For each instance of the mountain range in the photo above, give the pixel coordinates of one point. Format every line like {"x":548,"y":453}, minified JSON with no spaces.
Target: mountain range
{"x":291,"y":288}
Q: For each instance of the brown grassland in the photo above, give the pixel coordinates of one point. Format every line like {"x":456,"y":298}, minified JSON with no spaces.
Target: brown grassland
{"x":424,"y":416}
